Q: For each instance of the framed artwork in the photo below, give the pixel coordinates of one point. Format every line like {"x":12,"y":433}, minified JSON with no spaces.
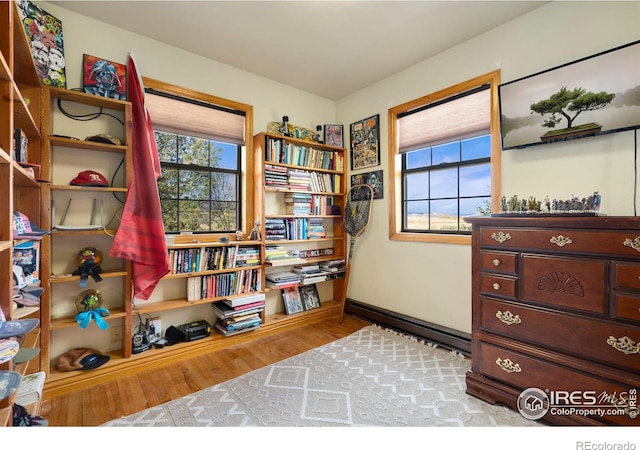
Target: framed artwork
{"x":44,"y":33}
{"x":373,"y":179}
{"x":104,"y":78}
{"x":333,"y":135}
{"x":365,"y":143}
{"x":589,"y":97}
{"x":292,"y":300}
{"x":310,"y":297}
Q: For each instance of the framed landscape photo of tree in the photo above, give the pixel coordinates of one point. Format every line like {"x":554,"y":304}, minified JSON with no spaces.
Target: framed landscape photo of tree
{"x":365,"y":143}
{"x":589,"y":97}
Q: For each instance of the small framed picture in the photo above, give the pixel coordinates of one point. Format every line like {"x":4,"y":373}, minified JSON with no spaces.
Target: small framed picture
{"x":104,"y":78}
{"x":365,"y":143}
{"x":333,"y":135}
{"x":310,"y":297}
{"x":292,"y":300}
{"x":373,"y":179}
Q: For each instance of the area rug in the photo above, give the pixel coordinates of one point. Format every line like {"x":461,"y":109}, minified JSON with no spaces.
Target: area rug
{"x":374,"y":377}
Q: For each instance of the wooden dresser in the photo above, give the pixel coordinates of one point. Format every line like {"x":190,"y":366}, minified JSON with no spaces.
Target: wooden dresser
{"x":556,"y":307}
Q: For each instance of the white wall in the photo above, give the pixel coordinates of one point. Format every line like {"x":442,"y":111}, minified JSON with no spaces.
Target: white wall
{"x":431,"y":282}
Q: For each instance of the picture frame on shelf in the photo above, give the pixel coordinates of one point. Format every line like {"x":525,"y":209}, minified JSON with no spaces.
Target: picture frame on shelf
{"x":364,"y":138}
{"x":334,"y":135}
{"x":104,"y":78}
{"x":292,"y":300}
{"x":44,"y":33}
{"x":310,"y":297}
{"x":373,"y":179}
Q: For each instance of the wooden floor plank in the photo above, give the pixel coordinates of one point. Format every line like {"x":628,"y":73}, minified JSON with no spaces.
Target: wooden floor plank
{"x":129,"y":394}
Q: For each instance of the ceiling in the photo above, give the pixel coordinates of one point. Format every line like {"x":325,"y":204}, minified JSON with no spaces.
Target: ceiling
{"x":328,"y":48}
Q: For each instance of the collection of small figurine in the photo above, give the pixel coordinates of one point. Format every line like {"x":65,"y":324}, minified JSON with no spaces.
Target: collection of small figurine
{"x":531,"y":205}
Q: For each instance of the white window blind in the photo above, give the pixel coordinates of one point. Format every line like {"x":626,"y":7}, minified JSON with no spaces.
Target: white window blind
{"x":195,"y":119}
{"x":460,"y":117}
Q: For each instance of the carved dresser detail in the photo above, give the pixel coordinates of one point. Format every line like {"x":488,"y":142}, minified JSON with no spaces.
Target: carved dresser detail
{"x":556,"y":314}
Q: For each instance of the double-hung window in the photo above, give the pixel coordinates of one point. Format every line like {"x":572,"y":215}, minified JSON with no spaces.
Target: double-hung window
{"x":444,"y":156}
{"x":201,"y":147}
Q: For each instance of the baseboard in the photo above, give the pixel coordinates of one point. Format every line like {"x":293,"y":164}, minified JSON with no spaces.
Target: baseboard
{"x":443,"y":336}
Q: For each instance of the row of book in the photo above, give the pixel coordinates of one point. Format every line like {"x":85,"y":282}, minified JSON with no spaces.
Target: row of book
{"x":224,"y":284}
{"x":238,"y":314}
{"x":288,"y":153}
{"x":306,"y":274}
{"x":294,"y":228}
{"x":281,"y":177}
{"x":190,"y":260}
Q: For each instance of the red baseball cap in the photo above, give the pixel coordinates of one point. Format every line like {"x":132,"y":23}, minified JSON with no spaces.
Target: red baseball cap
{"x":90,"y":178}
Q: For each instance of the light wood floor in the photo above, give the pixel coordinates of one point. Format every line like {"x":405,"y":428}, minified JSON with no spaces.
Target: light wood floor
{"x":127,"y":395}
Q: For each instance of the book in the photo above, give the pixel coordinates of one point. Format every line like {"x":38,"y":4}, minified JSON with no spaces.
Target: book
{"x":225,"y":332}
{"x":223,"y":311}
{"x":310,"y":297}
{"x":30,"y":390}
{"x":292,"y":300}
{"x":245,"y":299}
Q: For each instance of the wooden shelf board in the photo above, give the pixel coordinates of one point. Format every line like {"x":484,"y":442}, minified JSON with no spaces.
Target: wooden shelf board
{"x":87,"y":99}
{"x":87,"y":188}
{"x":86,"y":145}
{"x":25,"y":311}
{"x":67,"y":322}
{"x":105,"y":274}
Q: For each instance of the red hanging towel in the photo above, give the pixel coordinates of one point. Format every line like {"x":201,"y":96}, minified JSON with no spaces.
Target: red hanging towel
{"x":140,"y":237}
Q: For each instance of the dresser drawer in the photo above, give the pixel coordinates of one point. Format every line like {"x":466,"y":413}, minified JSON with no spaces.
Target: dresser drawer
{"x":601,"y":242}
{"x":626,"y":307}
{"x":626,"y":275}
{"x":499,"y":285}
{"x":503,"y":262}
{"x":575,"y":283}
{"x":597,"y":340}
{"x":523,"y":371}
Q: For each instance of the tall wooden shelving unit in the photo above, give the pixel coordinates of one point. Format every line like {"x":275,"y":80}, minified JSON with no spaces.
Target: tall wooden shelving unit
{"x":19,"y":108}
{"x":58,"y":317}
{"x":315,"y":158}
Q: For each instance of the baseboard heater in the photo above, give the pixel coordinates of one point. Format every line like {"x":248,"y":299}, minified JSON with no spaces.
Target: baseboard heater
{"x":443,"y":336}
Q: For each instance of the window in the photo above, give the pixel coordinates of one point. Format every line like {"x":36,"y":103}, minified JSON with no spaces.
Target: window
{"x":204,"y":162}
{"x":444,"y":159}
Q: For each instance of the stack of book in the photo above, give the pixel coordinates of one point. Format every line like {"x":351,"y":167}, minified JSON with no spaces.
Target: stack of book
{"x":310,"y":274}
{"x":247,"y":256}
{"x":335,"y":268}
{"x":315,"y":228}
{"x":274,"y":229}
{"x":297,"y":203}
{"x":299,"y":179}
{"x":276,"y":255}
{"x":275,"y":176}
{"x":238,"y":314}
{"x":279,"y":280}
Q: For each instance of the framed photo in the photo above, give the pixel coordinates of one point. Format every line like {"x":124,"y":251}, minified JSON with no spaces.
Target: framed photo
{"x":583,"y":98}
{"x":373,"y":179}
{"x":104,"y":78}
{"x":292,"y":300}
{"x":333,"y":135}
{"x":310,"y":297}
{"x":365,"y":143}
{"x":45,"y":39}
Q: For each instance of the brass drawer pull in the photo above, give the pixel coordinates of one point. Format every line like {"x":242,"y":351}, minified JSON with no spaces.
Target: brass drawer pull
{"x":508,"y":366}
{"x":624,"y":345}
{"x":496,"y":262}
{"x":560,"y":240}
{"x":500,"y":237}
{"x":634,"y":244}
{"x":496,"y":286}
{"x":508,"y":318}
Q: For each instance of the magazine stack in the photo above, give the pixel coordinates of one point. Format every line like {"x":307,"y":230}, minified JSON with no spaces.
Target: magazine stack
{"x":238,"y":314}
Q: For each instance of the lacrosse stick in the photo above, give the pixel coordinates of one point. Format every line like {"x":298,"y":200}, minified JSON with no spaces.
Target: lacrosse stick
{"x":357,"y":212}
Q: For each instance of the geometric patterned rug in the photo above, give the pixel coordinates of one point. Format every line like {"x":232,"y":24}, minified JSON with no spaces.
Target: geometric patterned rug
{"x":374,"y":377}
